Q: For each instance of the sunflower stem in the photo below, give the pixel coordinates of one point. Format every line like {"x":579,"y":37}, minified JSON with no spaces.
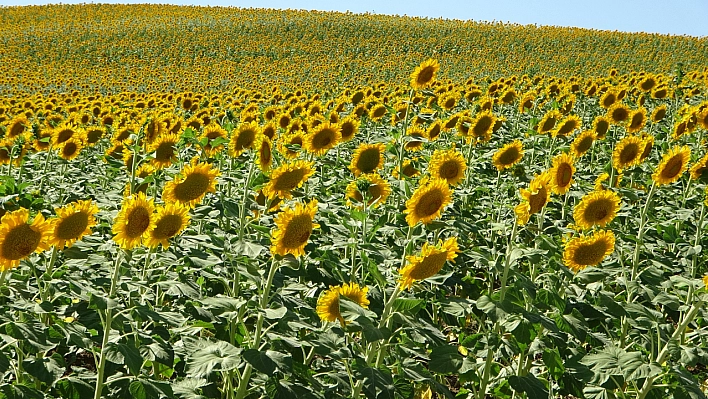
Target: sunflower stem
{"x":507,"y":261}
{"x":403,"y":135}
{"x":46,"y":165}
{"x":242,"y":219}
{"x":44,"y":293}
{"x":640,"y":238}
{"x":108,"y":320}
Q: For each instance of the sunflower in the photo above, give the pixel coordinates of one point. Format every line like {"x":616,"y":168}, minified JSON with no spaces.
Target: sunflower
{"x":123,"y":133}
{"x":433,"y":131}
{"x":409,"y":170}
{"x":509,"y":155}
{"x":349,"y":127}
{"x":648,"y":145}
{"x":71,"y":148}
{"x":562,"y":173}
{"x":367,"y":158}
{"x":534,"y":198}
{"x":64,"y":132}
{"x":170,"y":220}
{"x":627,"y":153}
{"x":601,"y":125}
{"x":548,"y":122}
{"x":567,"y":126}
{"x":287,"y":177}
{"x":165,"y":149}
{"x":658,"y":114}
{"x":428,"y":201}
{"x":264,"y":152}
{"x":328,"y":303}
{"x":608,"y":99}
{"x":94,"y":134}
{"x":269,"y":130}
{"x":415,"y":139}
{"x":134,"y":221}
{"x":73,"y":221}
{"x":582,"y":143}
{"x":377,"y":190}
{"x":600,"y":180}
{"x":210,"y":134}
{"x":699,"y":168}
{"x":377,"y":112}
{"x":243,"y":138}
{"x":325,"y":137}
{"x":189,"y":189}
{"x":43,"y":140}
{"x":290,"y":144}
{"x":19,"y":239}
{"x":424,"y":74}
{"x":584,"y":251}
{"x":293,"y":229}
{"x":618,"y":113}
{"x":702,"y":117}
{"x":647,"y":83}
{"x":449,"y":165}
{"x":637,"y":120}
{"x":672,"y":165}
{"x":481,"y":126}
{"x":17,"y":126}
{"x":431,"y":259}
{"x":597,"y":208}
{"x":155,"y":126}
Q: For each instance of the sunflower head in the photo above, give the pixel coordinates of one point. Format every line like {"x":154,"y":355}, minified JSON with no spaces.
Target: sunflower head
{"x":428,"y":201}
{"x":429,"y":262}
{"x":73,"y":221}
{"x":549,"y":121}
{"x":212,"y":139}
{"x":293,"y":229}
{"x":328,"y":304}
{"x":509,"y":155}
{"x":637,"y":120}
{"x":323,"y":138}
{"x":627,"y":152}
{"x":449,"y":165}
{"x":189,"y":189}
{"x":372,"y":186}
{"x":596,"y":209}
{"x":582,"y":143}
{"x":243,"y":138}
{"x":19,"y":238}
{"x":170,"y":220}
{"x":424,"y":75}
{"x":367,"y":158}
{"x":134,"y":221}
{"x":672,"y":165}
{"x":288,"y":177}
{"x":581,"y":252}
{"x":562,"y":173}
{"x":618,"y":113}
{"x":567,"y":126}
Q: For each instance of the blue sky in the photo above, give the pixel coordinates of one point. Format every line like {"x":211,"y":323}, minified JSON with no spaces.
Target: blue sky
{"x":679,"y":17}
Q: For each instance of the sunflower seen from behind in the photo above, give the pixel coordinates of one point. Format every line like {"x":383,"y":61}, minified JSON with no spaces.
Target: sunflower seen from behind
{"x":73,"y":221}
{"x":597,"y":208}
{"x":170,"y":220}
{"x":449,"y":165}
{"x":429,"y":262}
{"x":191,"y":185}
{"x":328,"y":304}
{"x":19,"y":238}
{"x":368,"y":158}
{"x":672,"y":165}
{"x":583,"y":251}
{"x":424,"y":75}
{"x":428,"y":201}
{"x":293,"y":228}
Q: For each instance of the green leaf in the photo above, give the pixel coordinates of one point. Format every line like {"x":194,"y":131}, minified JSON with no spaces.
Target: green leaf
{"x":129,"y":355}
{"x":44,"y":369}
{"x":146,"y":389}
{"x":212,"y":356}
{"x":74,"y":388}
{"x":378,"y":383}
{"x":445,"y":359}
{"x":267,"y":362}
{"x":529,"y":384}
{"x":554,"y":363}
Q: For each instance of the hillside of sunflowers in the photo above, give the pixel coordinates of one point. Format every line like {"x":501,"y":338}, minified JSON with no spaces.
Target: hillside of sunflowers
{"x":249,"y":203}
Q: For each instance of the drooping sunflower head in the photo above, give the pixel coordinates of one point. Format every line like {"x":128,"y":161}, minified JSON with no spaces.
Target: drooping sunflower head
{"x":581,"y":252}
{"x":328,"y":303}
{"x":372,"y":186}
{"x":19,"y":238}
{"x":243,"y":138}
{"x":134,"y":221}
{"x":582,"y":143}
{"x":424,"y":75}
{"x":597,"y":208}
{"x":286,"y":178}
{"x":429,"y":262}
{"x":73,"y":221}
{"x":212,"y":139}
{"x":627,"y":152}
{"x":170,"y":220}
{"x":562,"y":173}
{"x":672,"y":165}
{"x":449,"y":165}
{"x":17,"y":126}
{"x":189,"y":189}
{"x":293,"y":229}
{"x":509,"y":155}
{"x":368,"y":158}
{"x":428,"y":201}
{"x":567,"y":126}
{"x":323,"y":138}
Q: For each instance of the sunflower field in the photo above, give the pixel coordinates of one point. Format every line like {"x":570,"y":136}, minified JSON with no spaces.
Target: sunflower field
{"x":229,"y":203}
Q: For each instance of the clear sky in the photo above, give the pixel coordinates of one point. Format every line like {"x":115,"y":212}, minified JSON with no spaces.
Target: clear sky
{"x":679,"y":17}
